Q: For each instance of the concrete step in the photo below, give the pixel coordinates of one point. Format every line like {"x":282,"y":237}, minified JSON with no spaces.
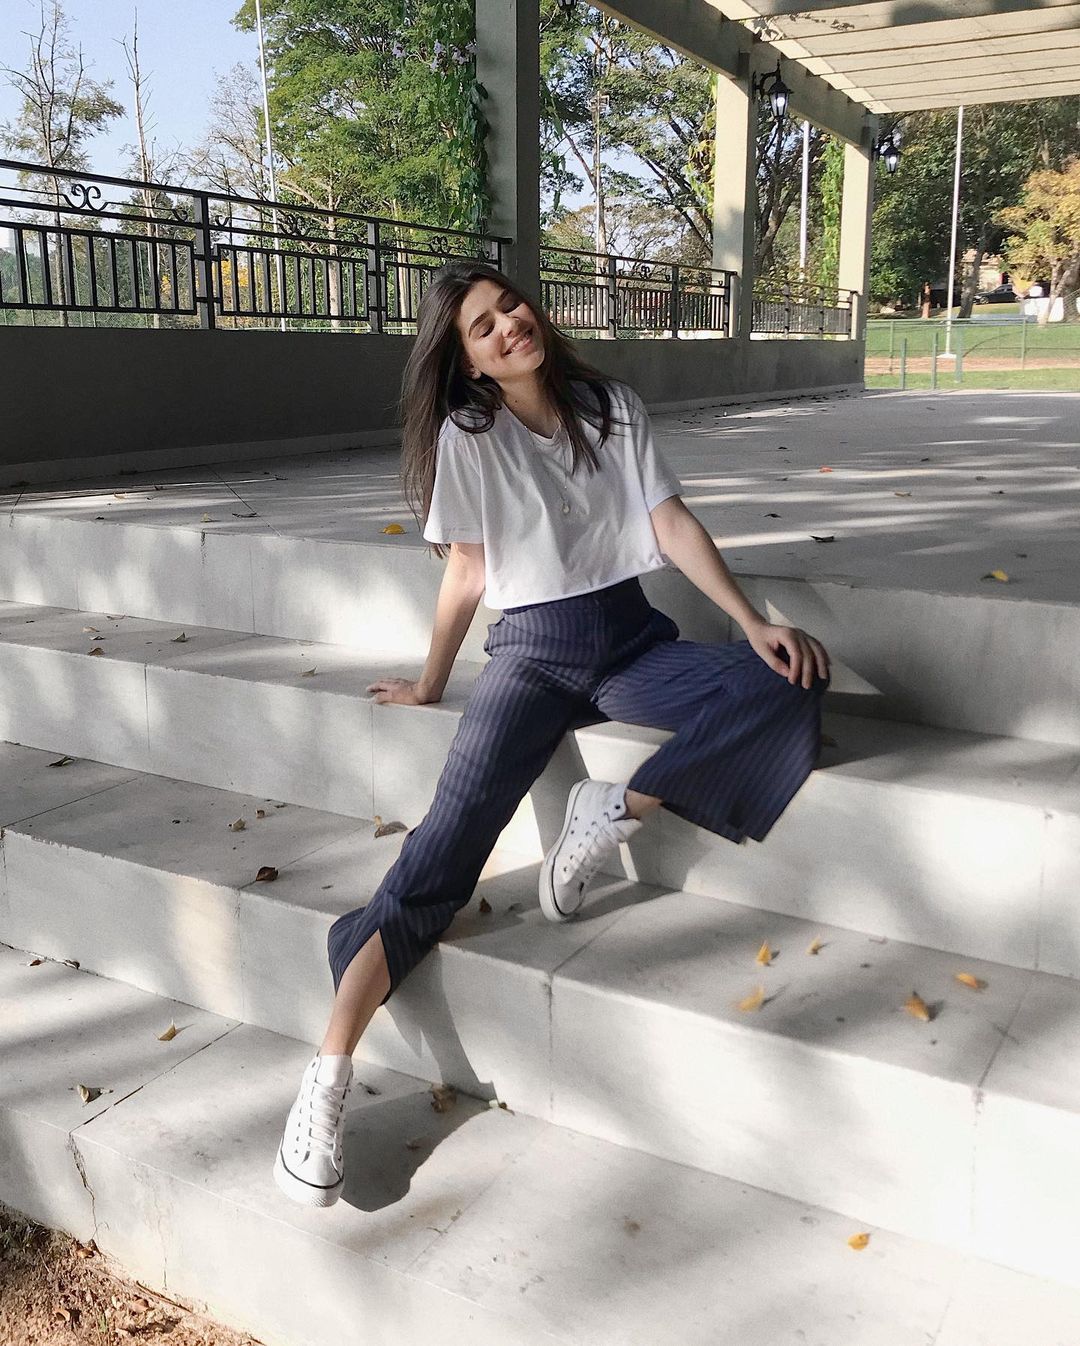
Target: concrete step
{"x":622,"y":1025}
{"x":950,"y":839}
{"x":477,"y":1225}
{"x":954,"y":660}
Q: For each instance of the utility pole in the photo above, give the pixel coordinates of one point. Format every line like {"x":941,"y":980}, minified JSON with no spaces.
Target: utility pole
{"x":279,"y":260}
{"x":804,"y":199}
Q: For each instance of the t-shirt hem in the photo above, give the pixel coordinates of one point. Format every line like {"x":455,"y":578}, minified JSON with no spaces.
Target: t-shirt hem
{"x":491,"y":602}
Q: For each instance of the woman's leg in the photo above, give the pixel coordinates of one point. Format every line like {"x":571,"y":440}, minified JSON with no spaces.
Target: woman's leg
{"x":744,"y":738}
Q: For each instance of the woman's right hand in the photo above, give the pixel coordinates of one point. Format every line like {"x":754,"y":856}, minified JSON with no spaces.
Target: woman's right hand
{"x":400,"y":692}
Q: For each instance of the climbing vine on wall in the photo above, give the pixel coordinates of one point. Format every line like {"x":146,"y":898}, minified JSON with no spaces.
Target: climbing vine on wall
{"x":832,"y":189}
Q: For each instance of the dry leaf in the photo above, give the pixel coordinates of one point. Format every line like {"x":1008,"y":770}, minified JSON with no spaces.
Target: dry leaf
{"x":828,"y":537}
{"x":84,"y":1250}
{"x":901,"y":493}
{"x":260,"y":813}
{"x":34,"y":962}
{"x":252,"y":515}
{"x":62,"y":761}
{"x":771,"y":516}
{"x":266,"y":875}
{"x":207,"y":519}
{"x":87,"y":1093}
{"x":140,"y":1304}
{"x":387,"y":829}
{"x":308,"y":673}
{"x":858,"y":1241}
{"x":119,"y":495}
{"x":168,"y":1035}
{"x":753,"y":1001}
{"x":443,"y":1097}
{"x":238,"y":825}
{"x":71,"y":962}
{"x":96,"y":650}
{"x":998,"y":575}
{"x":393,"y":528}
{"x":916,"y":1007}
{"x":764,"y":954}
{"x":815,"y":946}
{"x":92,"y":630}
{"x":966,"y":979}
{"x":180,"y":639}
{"x":485,"y":907}
{"x":61,"y":1312}
{"x":824,"y":469}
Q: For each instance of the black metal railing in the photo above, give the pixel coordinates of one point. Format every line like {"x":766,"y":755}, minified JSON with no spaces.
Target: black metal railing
{"x":796,"y":308}
{"x":588,"y":293}
{"x":184,"y":257}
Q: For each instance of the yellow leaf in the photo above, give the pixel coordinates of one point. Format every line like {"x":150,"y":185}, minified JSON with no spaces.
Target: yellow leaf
{"x":858,"y":1241}
{"x":180,"y":639}
{"x":443,"y":1097}
{"x":901,"y":492}
{"x":966,"y":979}
{"x":168,"y":1035}
{"x":88,"y":1093}
{"x":998,"y":575}
{"x":753,"y":1001}
{"x":916,"y":1007}
{"x":207,"y":519}
{"x":393,"y":528}
{"x":815,"y":946}
{"x":764,"y":954}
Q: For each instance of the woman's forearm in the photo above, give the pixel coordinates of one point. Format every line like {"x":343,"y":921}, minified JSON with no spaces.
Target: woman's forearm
{"x":683,"y":539}
{"x":459,"y":597}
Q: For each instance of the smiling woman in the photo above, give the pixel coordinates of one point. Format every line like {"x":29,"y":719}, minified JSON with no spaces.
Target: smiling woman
{"x":543,"y":479}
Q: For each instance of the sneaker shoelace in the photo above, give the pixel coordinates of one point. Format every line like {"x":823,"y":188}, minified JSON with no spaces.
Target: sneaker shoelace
{"x":322,"y":1110}
{"x":587,"y":853}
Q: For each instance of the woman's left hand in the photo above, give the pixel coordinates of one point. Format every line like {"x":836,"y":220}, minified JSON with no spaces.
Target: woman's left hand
{"x":806,"y":657}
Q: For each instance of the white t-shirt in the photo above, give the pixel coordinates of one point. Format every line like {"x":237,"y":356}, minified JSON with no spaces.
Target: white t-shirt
{"x":547,"y":534}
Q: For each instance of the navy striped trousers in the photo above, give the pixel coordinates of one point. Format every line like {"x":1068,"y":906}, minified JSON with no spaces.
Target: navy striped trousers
{"x":744,"y":740}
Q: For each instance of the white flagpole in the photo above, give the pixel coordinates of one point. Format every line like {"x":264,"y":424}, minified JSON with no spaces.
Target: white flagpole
{"x":955,"y":215}
{"x":279,"y":260}
{"x":805,"y":194}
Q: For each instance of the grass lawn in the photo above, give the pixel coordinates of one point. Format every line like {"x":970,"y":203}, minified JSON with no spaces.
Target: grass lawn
{"x":1037,"y":380}
{"x":973,"y":338}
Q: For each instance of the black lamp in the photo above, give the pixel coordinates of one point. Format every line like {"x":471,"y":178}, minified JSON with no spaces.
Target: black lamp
{"x":887,"y":150}
{"x":778,"y":92}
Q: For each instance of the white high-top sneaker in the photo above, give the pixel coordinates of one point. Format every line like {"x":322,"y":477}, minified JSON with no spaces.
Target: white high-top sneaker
{"x":309,"y":1166}
{"x":596,"y":821}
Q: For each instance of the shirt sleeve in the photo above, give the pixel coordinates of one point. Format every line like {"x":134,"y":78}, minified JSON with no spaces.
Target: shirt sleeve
{"x":455,"y":514}
{"x":659,"y":480}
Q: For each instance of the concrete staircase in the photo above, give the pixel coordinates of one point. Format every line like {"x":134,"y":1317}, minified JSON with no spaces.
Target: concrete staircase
{"x":935,"y":837}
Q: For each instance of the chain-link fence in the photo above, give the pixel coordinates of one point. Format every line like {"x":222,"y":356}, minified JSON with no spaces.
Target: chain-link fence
{"x":979,"y":352}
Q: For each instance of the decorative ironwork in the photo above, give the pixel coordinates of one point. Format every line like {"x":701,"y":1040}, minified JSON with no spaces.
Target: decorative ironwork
{"x":797,"y":308}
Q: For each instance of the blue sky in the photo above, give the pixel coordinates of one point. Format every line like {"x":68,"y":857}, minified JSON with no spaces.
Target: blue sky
{"x":182,"y":47}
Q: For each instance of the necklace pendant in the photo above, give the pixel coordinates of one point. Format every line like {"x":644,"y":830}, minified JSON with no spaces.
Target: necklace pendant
{"x":565,"y":507}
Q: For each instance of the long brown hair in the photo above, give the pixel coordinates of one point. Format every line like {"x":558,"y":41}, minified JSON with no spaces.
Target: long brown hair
{"x":435,"y":387}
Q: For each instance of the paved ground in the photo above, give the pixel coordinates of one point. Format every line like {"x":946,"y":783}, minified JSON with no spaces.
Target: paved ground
{"x":924,"y":492}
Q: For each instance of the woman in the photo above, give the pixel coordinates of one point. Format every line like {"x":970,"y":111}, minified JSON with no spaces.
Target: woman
{"x":541,"y":476}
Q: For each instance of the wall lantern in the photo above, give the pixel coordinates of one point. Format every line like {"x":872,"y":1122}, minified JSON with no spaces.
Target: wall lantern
{"x":778,"y":92}
{"x":886,"y":149}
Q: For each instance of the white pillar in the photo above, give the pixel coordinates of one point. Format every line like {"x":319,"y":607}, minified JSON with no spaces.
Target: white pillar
{"x":856,"y":209}
{"x":735,"y":192}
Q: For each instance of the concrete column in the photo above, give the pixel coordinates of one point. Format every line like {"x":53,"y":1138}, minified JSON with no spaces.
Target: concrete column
{"x":735,"y":190}
{"x":856,"y":209}
{"x":508,"y":66}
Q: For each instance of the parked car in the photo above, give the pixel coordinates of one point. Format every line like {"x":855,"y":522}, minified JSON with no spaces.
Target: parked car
{"x":1000,"y":294}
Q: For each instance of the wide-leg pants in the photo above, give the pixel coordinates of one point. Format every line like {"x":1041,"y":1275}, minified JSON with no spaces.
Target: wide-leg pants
{"x":744,"y":740}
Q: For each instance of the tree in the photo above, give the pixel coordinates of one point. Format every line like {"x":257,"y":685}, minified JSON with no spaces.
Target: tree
{"x":1046,"y":233}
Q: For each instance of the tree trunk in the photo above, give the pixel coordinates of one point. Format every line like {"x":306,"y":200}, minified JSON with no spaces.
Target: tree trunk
{"x":971,"y":281}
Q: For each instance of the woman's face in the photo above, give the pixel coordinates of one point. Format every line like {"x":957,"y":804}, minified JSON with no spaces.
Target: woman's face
{"x":499,"y":333}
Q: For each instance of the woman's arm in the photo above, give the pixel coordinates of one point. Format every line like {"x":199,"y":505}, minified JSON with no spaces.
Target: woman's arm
{"x":459,"y":596}
{"x":684,"y":539}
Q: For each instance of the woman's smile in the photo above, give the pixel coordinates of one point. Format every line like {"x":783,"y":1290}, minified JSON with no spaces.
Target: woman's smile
{"x":522,"y":342}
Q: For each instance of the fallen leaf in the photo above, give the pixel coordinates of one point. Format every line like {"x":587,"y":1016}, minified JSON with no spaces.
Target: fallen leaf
{"x":998,"y":575}
{"x":180,"y":639}
{"x":815,"y":946}
{"x":772,"y":516}
{"x":207,"y":519}
{"x":916,"y":1007}
{"x":62,"y":761}
{"x":858,"y":1241}
{"x":34,"y":962}
{"x":753,"y":1001}
{"x":980,"y":478}
{"x":169,"y":1034}
{"x":393,"y":528}
{"x":93,"y":630}
{"x":238,"y":825}
{"x":828,"y":538}
{"x":266,"y":875}
{"x":308,"y":673}
{"x":631,"y":1226}
{"x":387,"y":829}
{"x":61,"y":1312}
{"x":924,"y":460}
{"x":497,"y":1103}
{"x":443,"y":1097}
{"x":824,"y":469}
{"x":967,"y":979}
{"x":87,"y":1093}
{"x":485,"y":907}
{"x":72,"y":962}
{"x":902,"y":493}
{"x":252,"y":515}
{"x":140,"y":1304}
{"x":260,"y":813}
{"x":1021,"y":554}
{"x":119,"y":495}
{"x":84,"y":1250}
{"x":764,"y":954}
{"x":96,"y":650}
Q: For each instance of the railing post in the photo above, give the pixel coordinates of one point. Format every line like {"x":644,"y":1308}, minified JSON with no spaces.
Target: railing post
{"x":675,"y":314}
{"x":612,"y":297}
{"x":204,"y":262}
{"x":1023,"y":340}
{"x":933,"y":361}
{"x":731,"y":305}
{"x":959,"y":369}
{"x":373,"y":279}
{"x":903,"y":363}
